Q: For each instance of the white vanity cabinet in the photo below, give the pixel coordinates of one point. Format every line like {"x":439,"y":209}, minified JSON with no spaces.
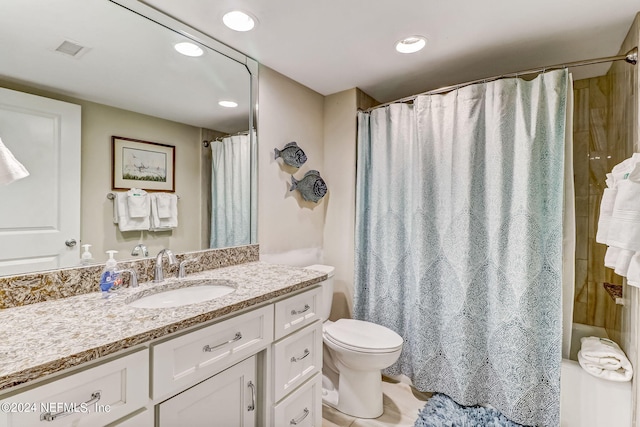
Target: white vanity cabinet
{"x":226,"y":399}
{"x":96,"y":396}
{"x":297,"y":361}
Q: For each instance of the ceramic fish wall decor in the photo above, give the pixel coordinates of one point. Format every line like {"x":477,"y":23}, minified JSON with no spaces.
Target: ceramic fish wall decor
{"x":312,"y":187}
{"x":291,"y":154}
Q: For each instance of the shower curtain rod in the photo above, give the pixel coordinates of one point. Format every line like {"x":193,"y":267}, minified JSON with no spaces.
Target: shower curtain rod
{"x":206,"y":143}
{"x":631,"y":57}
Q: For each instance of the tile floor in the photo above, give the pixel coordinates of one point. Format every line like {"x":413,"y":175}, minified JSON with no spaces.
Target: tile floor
{"x":401,"y":406}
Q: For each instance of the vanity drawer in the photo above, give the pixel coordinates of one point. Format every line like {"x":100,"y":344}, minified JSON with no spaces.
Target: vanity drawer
{"x":183,"y":361}
{"x":92,"y":397}
{"x":296,"y":358}
{"x":302,"y":408}
{"x":297,"y":312}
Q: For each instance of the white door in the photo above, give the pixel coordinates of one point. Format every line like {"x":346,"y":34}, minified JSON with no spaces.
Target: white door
{"x":227,"y":399}
{"x":40,"y":213}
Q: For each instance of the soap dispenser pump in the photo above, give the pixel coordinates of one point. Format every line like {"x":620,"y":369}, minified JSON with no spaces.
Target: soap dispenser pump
{"x":109,"y":276}
{"x":86,"y":258}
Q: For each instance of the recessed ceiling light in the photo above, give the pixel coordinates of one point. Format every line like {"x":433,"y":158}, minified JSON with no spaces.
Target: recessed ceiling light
{"x":228,"y":104}
{"x":411,"y":44}
{"x":189,"y":49}
{"x":239,"y":21}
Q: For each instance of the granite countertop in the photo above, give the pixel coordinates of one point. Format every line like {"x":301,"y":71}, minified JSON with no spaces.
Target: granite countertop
{"x":48,"y":337}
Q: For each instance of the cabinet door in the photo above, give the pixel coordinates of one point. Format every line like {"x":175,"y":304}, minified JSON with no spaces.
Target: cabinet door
{"x":226,"y":400}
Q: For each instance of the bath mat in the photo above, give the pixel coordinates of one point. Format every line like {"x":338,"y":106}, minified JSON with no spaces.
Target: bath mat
{"x":442,"y":411}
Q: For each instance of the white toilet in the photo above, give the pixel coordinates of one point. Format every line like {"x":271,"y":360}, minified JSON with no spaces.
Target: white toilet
{"x":354,"y":353}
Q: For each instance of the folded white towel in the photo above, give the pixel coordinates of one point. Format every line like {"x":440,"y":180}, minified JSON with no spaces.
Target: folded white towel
{"x":604,"y":359}
{"x":164,"y":205}
{"x":10,"y":168}
{"x":121,"y":214}
{"x":138,"y":203}
{"x":167,"y":223}
{"x":623,"y":261}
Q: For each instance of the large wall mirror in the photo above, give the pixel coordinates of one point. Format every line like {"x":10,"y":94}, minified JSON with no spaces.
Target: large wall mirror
{"x":75,"y":74}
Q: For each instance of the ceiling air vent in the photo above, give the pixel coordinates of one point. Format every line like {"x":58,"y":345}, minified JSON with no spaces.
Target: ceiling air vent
{"x":70,"y":48}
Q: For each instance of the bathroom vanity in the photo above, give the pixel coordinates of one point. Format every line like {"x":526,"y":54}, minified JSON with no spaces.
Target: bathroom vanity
{"x":251,"y":357}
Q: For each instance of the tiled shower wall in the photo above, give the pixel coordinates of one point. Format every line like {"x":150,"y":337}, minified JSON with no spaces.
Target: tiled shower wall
{"x":596,"y":151}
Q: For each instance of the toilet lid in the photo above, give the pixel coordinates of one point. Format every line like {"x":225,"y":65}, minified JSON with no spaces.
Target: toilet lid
{"x":363,"y":336}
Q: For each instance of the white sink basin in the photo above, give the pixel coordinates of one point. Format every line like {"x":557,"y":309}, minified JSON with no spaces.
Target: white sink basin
{"x":167,"y":297}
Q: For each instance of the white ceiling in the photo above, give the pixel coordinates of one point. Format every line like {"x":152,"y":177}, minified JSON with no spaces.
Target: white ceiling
{"x":333,"y":45}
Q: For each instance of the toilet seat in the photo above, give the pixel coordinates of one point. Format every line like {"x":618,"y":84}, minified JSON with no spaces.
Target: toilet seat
{"x":361,"y":336}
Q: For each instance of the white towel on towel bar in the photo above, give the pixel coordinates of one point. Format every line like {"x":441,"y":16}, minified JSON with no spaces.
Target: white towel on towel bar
{"x":121,"y":214}
{"x":604,"y":359}
{"x":164,"y":223}
{"x":624,"y":227}
{"x":138,"y":203}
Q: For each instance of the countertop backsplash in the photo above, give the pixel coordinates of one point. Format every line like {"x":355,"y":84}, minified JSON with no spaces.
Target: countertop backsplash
{"x":49,"y":285}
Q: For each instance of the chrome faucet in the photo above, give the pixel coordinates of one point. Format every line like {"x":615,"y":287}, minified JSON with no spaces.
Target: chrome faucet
{"x":140,"y":247}
{"x":133,"y":277}
{"x":181,"y":269}
{"x":159,"y":275}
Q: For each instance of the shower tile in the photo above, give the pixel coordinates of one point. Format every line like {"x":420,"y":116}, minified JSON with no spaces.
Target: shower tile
{"x":594,"y":213}
{"x":597,"y":270}
{"x":580,"y":108}
{"x":582,"y":206}
{"x":582,"y":237}
{"x":602,"y":300}
{"x":598,"y":92}
{"x":581,"y":289}
{"x":580,"y":312}
{"x":591,"y":303}
{"x":598,"y":130}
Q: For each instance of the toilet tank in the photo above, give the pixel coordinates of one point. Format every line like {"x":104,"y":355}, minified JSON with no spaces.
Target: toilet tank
{"x":327,"y":288}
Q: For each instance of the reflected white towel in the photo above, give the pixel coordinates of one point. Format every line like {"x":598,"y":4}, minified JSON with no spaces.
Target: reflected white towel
{"x":168,"y":223}
{"x":138,"y":203}
{"x":604,"y":359}
{"x":10,"y":168}
{"x":121,"y":214}
{"x":163,"y":201}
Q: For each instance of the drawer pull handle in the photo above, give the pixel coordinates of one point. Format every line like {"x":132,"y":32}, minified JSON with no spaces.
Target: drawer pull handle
{"x":305,"y":354}
{"x":48,"y":416}
{"x":306,"y":308}
{"x":207,"y":347}
{"x":253,"y":396}
{"x":296,"y":421}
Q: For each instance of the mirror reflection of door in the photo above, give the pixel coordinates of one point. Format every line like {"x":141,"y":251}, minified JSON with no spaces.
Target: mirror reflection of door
{"x":40,"y":214}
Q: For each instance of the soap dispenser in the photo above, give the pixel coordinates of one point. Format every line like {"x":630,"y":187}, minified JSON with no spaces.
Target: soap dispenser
{"x":86,"y":258}
{"x":109,"y":277}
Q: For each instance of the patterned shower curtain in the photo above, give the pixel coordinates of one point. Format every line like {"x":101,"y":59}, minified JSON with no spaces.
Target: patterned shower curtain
{"x":459,"y":240}
{"x":232,"y":162}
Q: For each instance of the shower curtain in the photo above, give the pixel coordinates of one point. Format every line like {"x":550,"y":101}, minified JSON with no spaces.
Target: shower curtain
{"x":459,"y":240}
{"x":231,"y":195}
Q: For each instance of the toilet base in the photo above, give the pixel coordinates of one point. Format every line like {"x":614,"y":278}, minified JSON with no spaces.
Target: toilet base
{"x":359,"y":394}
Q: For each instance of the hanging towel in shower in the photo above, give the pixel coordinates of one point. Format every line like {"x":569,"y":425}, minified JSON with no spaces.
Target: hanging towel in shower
{"x":10,"y":168}
{"x":604,"y":359}
{"x":633,"y":274}
{"x":624,"y":227}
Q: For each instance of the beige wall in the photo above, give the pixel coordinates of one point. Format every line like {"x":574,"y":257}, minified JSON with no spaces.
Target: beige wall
{"x":340,"y":127}
{"x":290,"y":230}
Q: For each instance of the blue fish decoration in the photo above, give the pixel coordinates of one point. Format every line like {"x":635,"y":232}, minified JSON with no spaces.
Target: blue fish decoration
{"x":291,"y":154}
{"x":312,"y":187}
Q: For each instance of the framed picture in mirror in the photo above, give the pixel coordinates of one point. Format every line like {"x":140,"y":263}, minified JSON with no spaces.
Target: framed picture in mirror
{"x":142,"y":164}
